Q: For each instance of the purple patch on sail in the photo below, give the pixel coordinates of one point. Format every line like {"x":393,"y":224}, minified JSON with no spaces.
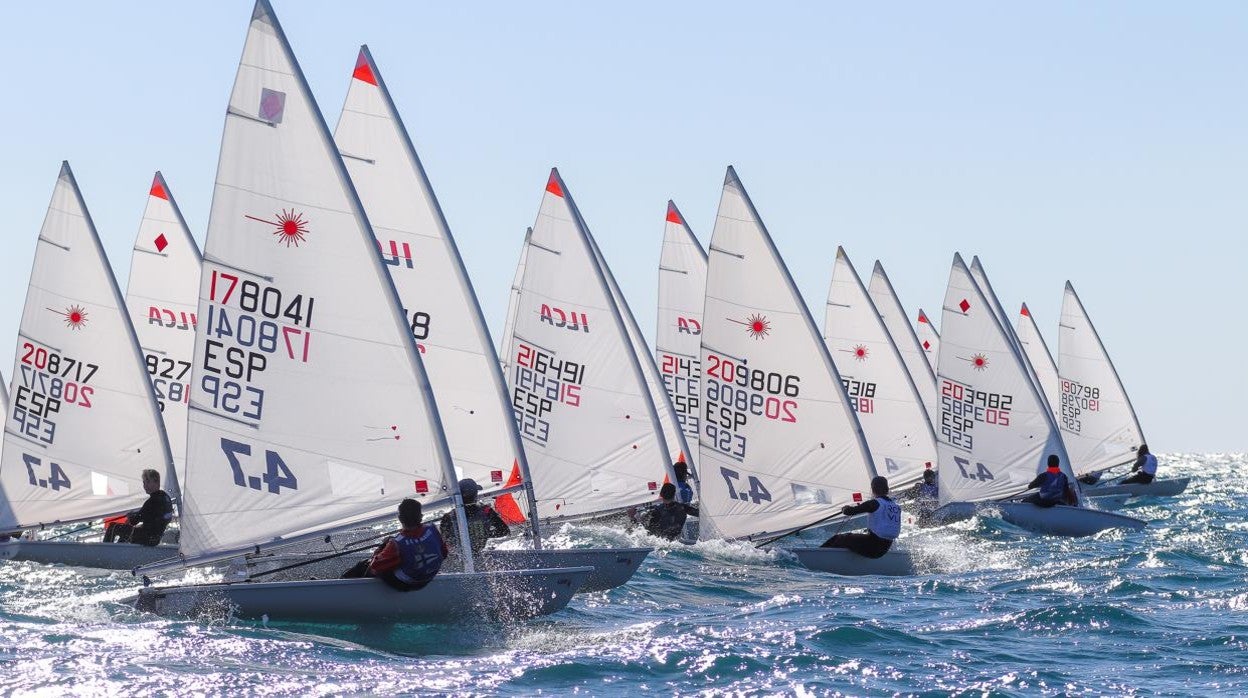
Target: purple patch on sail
{"x":272,"y":105}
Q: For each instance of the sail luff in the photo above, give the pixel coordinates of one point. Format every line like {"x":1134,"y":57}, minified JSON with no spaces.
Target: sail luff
{"x":1037,"y":352}
{"x":888,"y":303}
{"x":678,"y":327}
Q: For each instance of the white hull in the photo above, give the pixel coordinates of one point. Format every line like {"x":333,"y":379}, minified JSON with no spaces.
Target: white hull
{"x":109,"y":556}
{"x":1156,"y":488}
{"x":1110,"y":502}
{"x":1064,"y":520}
{"x":508,"y":595}
{"x":894,"y":563}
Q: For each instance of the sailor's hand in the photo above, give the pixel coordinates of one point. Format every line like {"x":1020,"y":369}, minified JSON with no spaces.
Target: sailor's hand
{"x":846,"y":510}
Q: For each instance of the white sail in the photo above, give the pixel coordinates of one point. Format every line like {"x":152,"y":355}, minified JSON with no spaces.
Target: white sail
{"x":1037,"y":353}
{"x":4,"y":397}
{"x":677,"y":338}
{"x":876,"y":381}
{"x":1098,"y":423}
{"x":162,"y":296}
{"x":669,"y":423}
{"x":513,"y":304}
{"x":581,"y":402}
{"x":995,"y":431}
{"x":438,"y":299}
{"x":309,"y":405}
{"x":929,"y":338}
{"x":895,"y":319}
{"x":998,"y":310}
{"x":84,"y":423}
{"x":780,"y":447}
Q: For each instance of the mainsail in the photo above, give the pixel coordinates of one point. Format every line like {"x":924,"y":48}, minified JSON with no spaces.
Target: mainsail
{"x":677,"y":338}
{"x":580,"y":398}
{"x":781,"y":446}
{"x":998,"y":310}
{"x":310,"y":408}
{"x":1037,"y":353}
{"x":895,"y":319}
{"x":84,"y":423}
{"x":440,"y":305}
{"x":513,"y":304}
{"x":876,"y":381}
{"x":162,"y":296}
{"x":4,"y":397}
{"x":1098,"y":423}
{"x":929,"y":338}
{"x":995,"y":430}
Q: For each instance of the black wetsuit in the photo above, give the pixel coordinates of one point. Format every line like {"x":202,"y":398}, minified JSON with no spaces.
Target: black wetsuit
{"x":865,"y":544}
{"x":1054,"y":489}
{"x":667,"y":519}
{"x":483,"y":524}
{"x":146,"y":525}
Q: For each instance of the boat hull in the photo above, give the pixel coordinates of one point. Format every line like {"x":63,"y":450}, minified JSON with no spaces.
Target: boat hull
{"x":1157,"y":488}
{"x":1064,"y":520}
{"x":1110,"y":502}
{"x":894,"y":563}
{"x":612,"y":567}
{"x":109,"y":556}
{"x":506,"y":595}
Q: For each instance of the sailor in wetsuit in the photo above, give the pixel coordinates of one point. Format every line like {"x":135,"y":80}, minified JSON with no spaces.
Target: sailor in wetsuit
{"x":147,"y":524}
{"x":667,"y":518}
{"x":408,"y":561}
{"x":925,"y":494}
{"x":883,"y":524}
{"x":1054,"y":486}
{"x":684,"y":491}
{"x":1145,"y":467}
{"x":483,"y":522}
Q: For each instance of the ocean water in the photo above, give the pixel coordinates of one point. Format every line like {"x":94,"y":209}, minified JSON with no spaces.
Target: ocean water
{"x":1163,"y":611}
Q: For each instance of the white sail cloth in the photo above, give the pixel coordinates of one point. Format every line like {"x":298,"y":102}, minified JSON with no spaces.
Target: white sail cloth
{"x":162,"y":296}
{"x":439,"y":302}
{"x":578,"y":391}
{"x":1037,"y":353}
{"x":1098,"y":422}
{"x":678,"y":334}
{"x":929,"y":338}
{"x":895,"y":319}
{"x":83,"y":423}
{"x":309,"y":405}
{"x":995,"y":431}
{"x":780,"y":447}
{"x":876,"y":380}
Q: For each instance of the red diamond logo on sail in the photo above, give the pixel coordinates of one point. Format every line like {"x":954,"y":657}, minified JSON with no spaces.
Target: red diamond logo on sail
{"x":161,"y":242}
{"x":927,"y":344}
{"x":964,"y":305}
{"x":496,"y":476}
{"x":272,"y":105}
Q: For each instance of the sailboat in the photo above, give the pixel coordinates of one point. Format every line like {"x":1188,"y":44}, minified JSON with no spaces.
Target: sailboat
{"x":445,"y":318}
{"x":297,"y":310}
{"x":929,"y":338}
{"x":162,"y":296}
{"x":1037,"y":353}
{"x":678,"y":332}
{"x":584,"y":406}
{"x":894,"y":316}
{"x":84,"y":422}
{"x":781,"y":447}
{"x":875,"y":378}
{"x":1098,"y":422}
{"x":996,"y":430}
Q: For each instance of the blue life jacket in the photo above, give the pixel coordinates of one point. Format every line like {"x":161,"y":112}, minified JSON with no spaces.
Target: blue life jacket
{"x":885,"y":522}
{"x":420,"y":557}
{"x":1053,"y":487}
{"x":684,"y":493}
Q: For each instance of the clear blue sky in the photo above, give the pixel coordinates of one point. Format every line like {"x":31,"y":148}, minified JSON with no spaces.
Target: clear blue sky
{"x":1106,"y":143}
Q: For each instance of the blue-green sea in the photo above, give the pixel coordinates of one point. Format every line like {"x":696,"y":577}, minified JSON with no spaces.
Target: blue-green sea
{"x":1162,"y":611}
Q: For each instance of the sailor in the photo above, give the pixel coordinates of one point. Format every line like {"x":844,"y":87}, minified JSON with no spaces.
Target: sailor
{"x":684,"y":492}
{"x":883,"y":523}
{"x":1054,"y":486}
{"x":483,"y":522}
{"x":411,"y":559}
{"x":667,"y":518}
{"x":925,"y":494}
{"x":1145,"y":467}
{"x":146,"y":524}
